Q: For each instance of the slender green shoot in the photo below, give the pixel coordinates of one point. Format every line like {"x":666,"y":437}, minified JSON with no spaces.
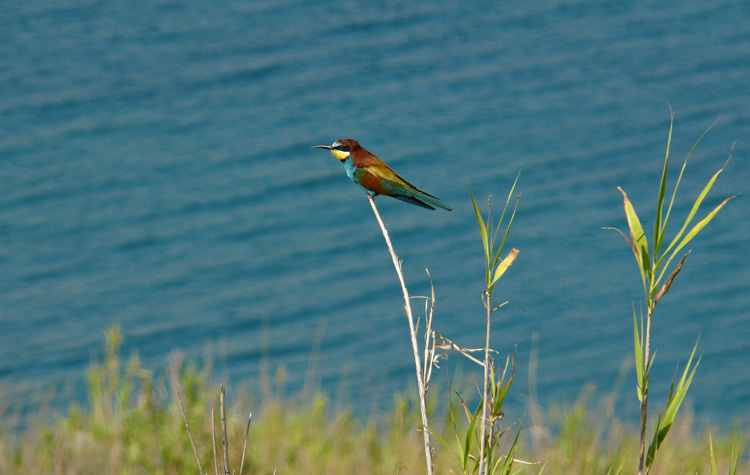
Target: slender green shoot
{"x":494,"y":269}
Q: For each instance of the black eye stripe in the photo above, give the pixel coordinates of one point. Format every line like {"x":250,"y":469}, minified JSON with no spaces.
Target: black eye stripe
{"x":342,"y":148}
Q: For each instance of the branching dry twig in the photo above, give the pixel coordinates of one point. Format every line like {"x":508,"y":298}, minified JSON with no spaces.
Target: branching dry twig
{"x":413,"y":334}
{"x":445,"y":344}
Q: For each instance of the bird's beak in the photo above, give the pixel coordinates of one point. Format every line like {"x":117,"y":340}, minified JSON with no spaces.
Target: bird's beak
{"x":327,"y":147}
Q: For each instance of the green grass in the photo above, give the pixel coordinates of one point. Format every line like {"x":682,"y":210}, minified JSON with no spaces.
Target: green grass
{"x":132,"y":424}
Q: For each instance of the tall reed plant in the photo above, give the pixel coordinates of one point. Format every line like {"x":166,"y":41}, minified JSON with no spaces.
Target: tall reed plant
{"x":492,"y":393}
{"x":653,"y":263}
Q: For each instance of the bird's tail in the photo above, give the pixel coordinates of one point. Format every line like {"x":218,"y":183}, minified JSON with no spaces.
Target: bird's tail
{"x":433,"y":201}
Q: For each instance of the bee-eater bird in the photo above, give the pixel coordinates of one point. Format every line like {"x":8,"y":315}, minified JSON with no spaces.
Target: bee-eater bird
{"x":377,"y":178}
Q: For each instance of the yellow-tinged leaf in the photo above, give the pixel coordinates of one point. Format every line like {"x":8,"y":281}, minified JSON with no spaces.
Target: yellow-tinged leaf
{"x":503,"y":266}
{"x":638,"y":237}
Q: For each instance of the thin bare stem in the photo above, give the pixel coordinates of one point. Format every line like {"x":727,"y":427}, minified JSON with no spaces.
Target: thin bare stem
{"x":429,"y":336}
{"x":414,"y":344}
{"x":225,"y":442}
{"x":487,"y":299}
{"x":213,"y":443}
{"x":190,"y":435}
{"x":244,"y":447}
{"x":644,"y":400}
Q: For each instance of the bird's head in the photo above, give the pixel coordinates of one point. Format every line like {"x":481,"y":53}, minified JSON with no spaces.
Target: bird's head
{"x":341,"y":149}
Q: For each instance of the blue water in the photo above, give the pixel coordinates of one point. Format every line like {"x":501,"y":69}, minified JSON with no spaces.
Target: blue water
{"x":155,"y":172}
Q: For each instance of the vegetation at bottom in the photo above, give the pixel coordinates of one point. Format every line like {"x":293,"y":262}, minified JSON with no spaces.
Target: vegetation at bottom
{"x":133,"y":424}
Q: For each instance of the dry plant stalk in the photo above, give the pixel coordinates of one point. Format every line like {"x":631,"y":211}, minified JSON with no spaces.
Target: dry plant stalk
{"x":413,"y":334}
{"x":225,"y":442}
{"x":190,"y":435}
{"x":244,"y":447}
{"x":213,"y":443}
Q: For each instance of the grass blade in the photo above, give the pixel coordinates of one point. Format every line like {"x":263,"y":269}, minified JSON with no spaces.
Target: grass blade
{"x":508,"y":463}
{"x":676,"y":396}
{"x":658,"y":228}
{"x":638,"y":354}
{"x":682,"y":170}
{"x":695,"y":207}
{"x":701,"y":224}
{"x":482,"y":229}
{"x":510,"y":224}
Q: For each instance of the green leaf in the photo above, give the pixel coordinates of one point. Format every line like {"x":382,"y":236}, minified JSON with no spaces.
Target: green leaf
{"x":508,"y":463}
{"x":733,"y":459}
{"x":682,"y":170}
{"x":694,"y":210}
{"x":457,"y":453}
{"x":698,"y":227}
{"x":658,"y":233}
{"x":638,"y":355}
{"x":510,"y":224}
{"x":654,"y":445}
{"x":469,"y":434}
{"x":676,"y":396}
{"x":482,"y":230}
{"x":505,"y":387}
{"x":442,"y":441}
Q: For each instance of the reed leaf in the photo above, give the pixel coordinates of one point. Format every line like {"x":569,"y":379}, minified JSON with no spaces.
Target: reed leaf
{"x":638,"y":355}
{"x":682,"y":170}
{"x":692,"y":213}
{"x":658,"y":225}
{"x":503,"y":266}
{"x":696,"y":229}
{"x":676,"y":396}
{"x":508,"y":461}
{"x":482,"y":230}
{"x":711,"y":451}
{"x":510,"y":224}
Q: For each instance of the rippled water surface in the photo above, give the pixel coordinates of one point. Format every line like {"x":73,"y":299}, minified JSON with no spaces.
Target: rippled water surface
{"x":156,"y":172}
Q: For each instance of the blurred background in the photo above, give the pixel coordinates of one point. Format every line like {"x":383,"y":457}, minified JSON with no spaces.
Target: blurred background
{"x":156,"y":173}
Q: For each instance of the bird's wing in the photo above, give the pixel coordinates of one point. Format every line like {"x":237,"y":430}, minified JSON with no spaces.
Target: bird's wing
{"x":383,"y":171}
{"x":380,"y":178}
